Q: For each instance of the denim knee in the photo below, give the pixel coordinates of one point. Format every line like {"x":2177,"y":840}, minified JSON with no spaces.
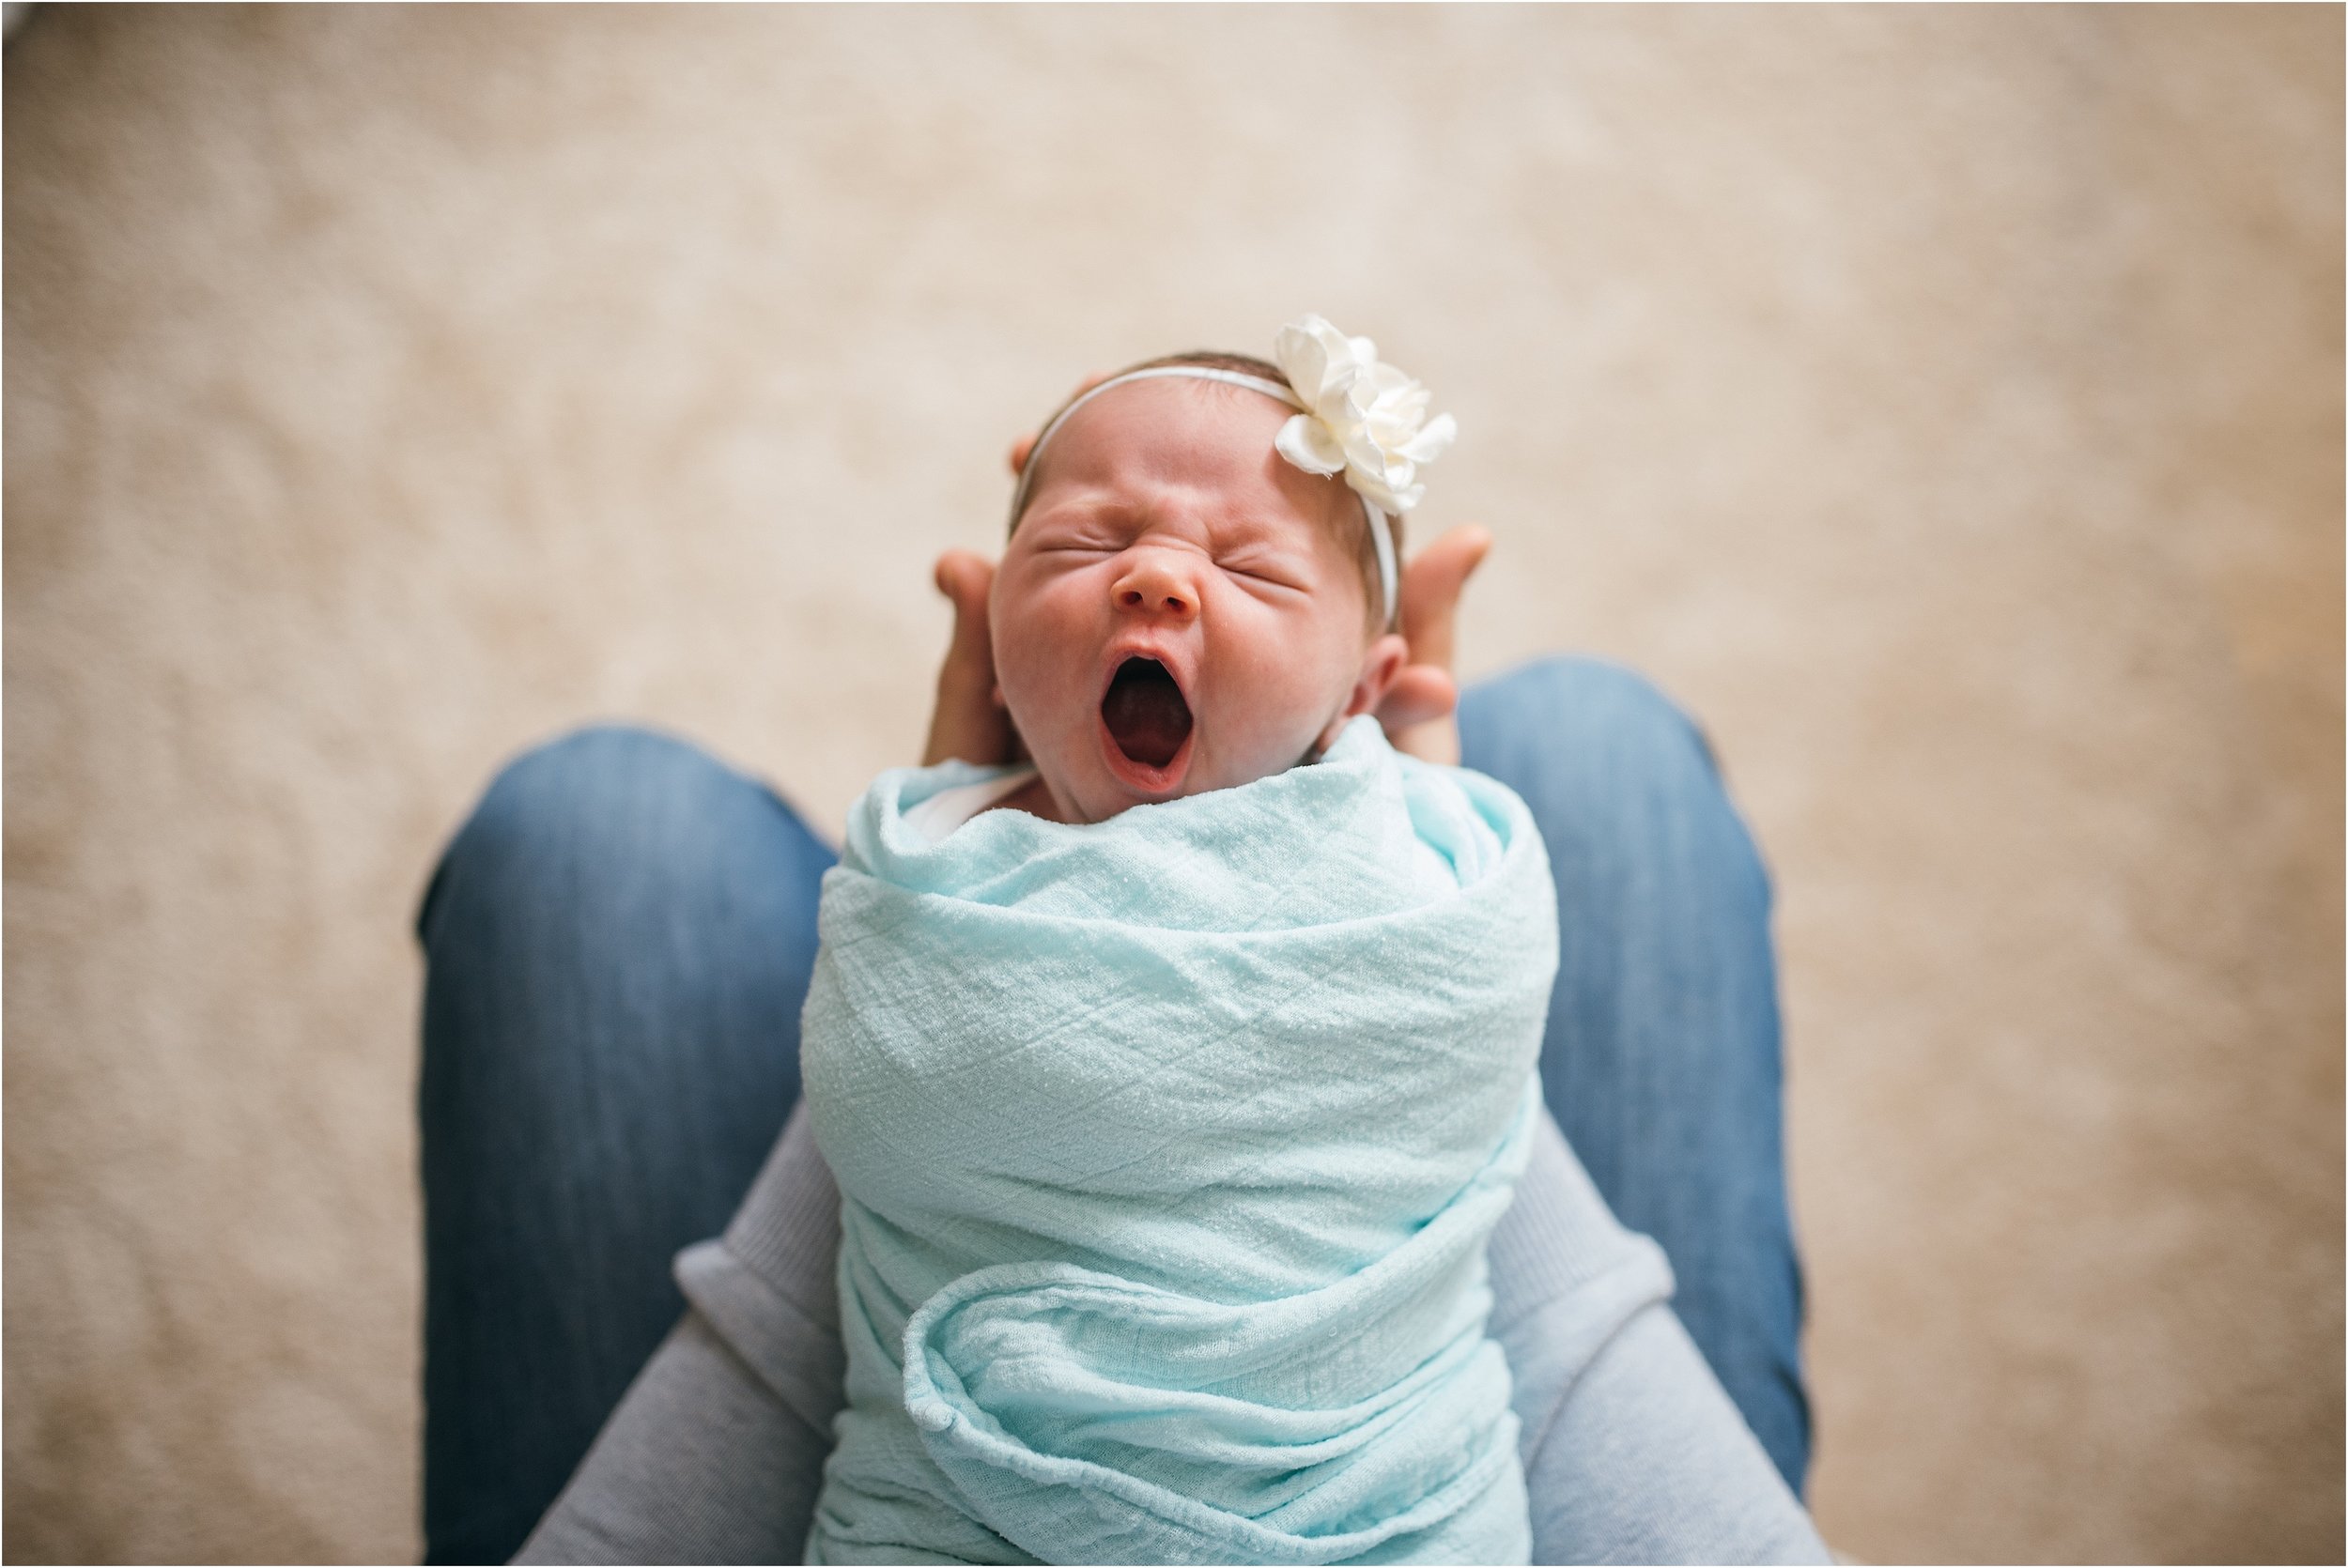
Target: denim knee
{"x":619,"y":905}
{"x":1599,"y":749}
{"x":1586,"y":694}
{"x":599,"y":803}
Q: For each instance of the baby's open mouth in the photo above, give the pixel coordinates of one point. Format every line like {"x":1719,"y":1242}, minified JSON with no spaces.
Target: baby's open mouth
{"x":1145,"y":713}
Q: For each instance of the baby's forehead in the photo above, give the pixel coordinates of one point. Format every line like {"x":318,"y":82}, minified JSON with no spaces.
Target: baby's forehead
{"x":1172,"y":413}
{"x":1191,"y":434}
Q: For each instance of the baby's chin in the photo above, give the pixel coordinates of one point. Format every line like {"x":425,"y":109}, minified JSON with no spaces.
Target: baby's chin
{"x":1138,"y":744}
{"x":1092,"y":779}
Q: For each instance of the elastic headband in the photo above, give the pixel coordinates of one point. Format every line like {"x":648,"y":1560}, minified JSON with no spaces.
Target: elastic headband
{"x":1381,"y":528}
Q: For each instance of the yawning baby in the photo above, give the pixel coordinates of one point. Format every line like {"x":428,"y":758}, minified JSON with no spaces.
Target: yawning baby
{"x":1174,"y":1083}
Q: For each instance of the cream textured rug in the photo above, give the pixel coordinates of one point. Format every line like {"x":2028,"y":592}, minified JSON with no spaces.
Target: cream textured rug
{"x":1944,"y":404}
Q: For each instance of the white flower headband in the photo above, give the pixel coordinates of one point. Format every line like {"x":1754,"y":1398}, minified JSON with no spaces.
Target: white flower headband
{"x":1355,"y":416}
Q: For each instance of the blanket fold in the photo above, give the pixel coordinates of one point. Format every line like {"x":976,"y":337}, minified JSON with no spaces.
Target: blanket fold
{"x":1167,"y":1149}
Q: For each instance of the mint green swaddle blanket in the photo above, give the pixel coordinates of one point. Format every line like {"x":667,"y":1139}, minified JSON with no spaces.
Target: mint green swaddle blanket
{"x":1167,"y":1149}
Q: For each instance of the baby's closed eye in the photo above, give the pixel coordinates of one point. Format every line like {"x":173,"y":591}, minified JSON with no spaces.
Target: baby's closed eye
{"x":1266,"y":568}
{"x":1093,"y":537}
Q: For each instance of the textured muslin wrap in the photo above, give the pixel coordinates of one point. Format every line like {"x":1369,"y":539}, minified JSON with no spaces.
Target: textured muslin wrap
{"x":1167,"y":1149}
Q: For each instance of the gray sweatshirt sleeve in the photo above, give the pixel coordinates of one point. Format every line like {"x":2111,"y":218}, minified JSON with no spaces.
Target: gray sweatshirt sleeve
{"x":717,"y":1450}
{"x":1633,"y":1450}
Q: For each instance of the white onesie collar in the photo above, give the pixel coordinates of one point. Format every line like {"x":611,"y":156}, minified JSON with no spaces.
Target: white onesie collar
{"x":948,"y":809}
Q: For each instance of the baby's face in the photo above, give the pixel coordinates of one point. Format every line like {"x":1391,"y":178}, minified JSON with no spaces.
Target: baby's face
{"x":1179,"y":609}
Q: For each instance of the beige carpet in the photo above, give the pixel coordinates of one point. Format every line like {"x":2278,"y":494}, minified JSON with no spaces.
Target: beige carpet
{"x":1946,"y":404}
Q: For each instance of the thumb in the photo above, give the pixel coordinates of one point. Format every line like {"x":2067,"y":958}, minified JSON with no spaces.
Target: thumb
{"x":968,"y":722}
{"x":965,"y":578}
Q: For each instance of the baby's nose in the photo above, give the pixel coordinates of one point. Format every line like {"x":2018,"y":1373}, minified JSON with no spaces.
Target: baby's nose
{"x":1155,"y":587}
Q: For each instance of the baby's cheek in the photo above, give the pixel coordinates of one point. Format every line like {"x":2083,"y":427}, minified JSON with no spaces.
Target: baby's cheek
{"x":1038,"y":661}
{"x":1282,"y":701}
{"x":1041,"y":701}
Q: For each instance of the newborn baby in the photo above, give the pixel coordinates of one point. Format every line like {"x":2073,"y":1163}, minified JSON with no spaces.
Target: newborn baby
{"x":1174,"y":1084}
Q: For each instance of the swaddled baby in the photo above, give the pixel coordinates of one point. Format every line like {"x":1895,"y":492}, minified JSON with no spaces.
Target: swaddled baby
{"x":1174,"y":1085}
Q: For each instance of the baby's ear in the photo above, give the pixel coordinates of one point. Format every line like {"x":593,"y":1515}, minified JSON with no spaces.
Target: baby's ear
{"x":1381,"y":661}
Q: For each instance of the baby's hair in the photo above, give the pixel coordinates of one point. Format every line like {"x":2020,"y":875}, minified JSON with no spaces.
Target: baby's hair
{"x":1364,"y":549}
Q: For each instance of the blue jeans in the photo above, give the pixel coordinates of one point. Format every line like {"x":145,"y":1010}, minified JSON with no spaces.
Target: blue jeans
{"x":619,"y":939}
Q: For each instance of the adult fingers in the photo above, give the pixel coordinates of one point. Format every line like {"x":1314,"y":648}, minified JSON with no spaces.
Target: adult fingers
{"x":1431,"y":584}
{"x":1421,"y":694}
{"x":1418,"y":715}
{"x":965,"y":576}
{"x":968,"y":722}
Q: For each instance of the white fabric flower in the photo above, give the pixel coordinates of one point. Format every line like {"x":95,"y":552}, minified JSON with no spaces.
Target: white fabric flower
{"x":1365,"y":420}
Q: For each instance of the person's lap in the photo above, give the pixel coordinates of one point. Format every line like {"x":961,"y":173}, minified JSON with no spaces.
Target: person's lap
{"x":619,"y":939}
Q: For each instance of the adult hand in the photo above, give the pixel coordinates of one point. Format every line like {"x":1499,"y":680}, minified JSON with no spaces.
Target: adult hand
{"x":1421,"y":708}
{"x":968,"y":722}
